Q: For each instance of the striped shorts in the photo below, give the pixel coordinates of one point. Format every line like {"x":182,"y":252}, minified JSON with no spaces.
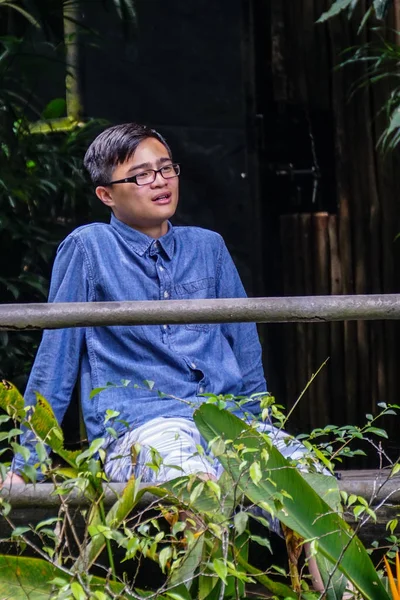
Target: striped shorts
{"x":172,"y":447}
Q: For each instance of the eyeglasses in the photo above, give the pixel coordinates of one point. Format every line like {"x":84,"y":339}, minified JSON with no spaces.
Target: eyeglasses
{"x":145,"y":177}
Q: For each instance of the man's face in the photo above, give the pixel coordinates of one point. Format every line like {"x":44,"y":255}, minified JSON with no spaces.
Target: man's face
{"x":146,"y":207}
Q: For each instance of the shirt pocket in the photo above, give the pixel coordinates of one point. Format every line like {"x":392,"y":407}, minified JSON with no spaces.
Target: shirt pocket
{"x":197,"y":290}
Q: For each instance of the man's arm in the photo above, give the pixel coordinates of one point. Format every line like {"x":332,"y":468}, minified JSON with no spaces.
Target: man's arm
{"x":57,"y":362}
{"x":242,"y":337}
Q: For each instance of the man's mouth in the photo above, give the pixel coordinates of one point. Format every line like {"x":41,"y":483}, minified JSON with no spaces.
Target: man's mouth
{"x":162,"y":198}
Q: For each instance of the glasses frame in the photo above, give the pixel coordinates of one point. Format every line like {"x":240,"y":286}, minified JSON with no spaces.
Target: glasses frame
{"x":132,"y":179}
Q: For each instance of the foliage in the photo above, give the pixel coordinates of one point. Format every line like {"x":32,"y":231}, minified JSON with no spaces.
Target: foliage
{"x":377,"y":7}
{"x":197,"y":531}
{"x":378,"y":60}
{"x":44,"y":193}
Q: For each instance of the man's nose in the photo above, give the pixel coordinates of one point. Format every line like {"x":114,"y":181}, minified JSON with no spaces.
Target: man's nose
{"x":159,"y":180}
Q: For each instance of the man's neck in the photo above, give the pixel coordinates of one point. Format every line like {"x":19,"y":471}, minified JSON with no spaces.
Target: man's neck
{"x":154,"y":231}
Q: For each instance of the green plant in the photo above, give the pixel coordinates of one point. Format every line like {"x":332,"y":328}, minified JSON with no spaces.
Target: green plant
{"x":197,"y":531}
{"x":378,"y":60}
{"x":44,"y":192}
{"x":379,"y":8}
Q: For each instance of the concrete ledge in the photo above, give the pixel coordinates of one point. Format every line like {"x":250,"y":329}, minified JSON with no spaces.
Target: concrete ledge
{"x":366,"y":483}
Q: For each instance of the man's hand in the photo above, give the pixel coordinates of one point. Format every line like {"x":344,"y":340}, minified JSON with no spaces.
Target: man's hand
{"x":11,"y":479}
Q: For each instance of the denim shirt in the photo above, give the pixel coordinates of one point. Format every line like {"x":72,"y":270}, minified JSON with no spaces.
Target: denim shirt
{"x":101,"y":262}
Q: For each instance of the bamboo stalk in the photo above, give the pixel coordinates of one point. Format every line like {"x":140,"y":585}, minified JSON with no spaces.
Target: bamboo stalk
{"x":336,"y":362}
{"x":73,"y":93}
{"x":290,"y":338}
{"x":321,"y":286}
{"x":308,"y":289}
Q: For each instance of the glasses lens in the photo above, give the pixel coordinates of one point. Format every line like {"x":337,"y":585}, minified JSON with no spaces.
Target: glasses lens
{"x":145,"y":177}
{"x":170,"y":171}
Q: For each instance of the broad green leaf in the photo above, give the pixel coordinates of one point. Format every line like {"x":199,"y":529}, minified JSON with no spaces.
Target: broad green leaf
{"x":278,"y":589}
{"x":326,"y":486}
{"x":23,"y":578}
{"x":336,"y":580}
{"x":300,"y":508}
{"x":207,"y":584}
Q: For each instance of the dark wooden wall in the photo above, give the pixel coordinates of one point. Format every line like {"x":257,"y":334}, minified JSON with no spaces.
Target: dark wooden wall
{"x":343,"y":241}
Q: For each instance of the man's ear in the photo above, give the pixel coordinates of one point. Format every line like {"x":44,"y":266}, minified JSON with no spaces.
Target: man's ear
{"x":103,"y":193}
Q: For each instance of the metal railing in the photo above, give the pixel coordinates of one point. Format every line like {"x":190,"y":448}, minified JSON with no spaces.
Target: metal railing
{"x":317,"y":309}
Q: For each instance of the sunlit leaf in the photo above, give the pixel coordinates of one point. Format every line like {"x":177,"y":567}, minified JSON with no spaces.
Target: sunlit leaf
{"x":302,"y":509}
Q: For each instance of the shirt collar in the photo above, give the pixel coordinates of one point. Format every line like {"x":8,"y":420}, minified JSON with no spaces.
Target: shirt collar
{"x":141,"y":242}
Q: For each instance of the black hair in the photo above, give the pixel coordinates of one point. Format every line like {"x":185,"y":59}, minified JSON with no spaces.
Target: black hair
{"x":114,"y":146}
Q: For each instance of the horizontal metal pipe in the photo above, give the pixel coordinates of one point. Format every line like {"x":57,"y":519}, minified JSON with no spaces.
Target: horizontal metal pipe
{"x":317,"y":309}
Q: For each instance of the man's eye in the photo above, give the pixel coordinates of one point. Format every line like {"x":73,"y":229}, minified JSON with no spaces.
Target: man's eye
{"x":143,"y":175}
{"x":167,"y":169}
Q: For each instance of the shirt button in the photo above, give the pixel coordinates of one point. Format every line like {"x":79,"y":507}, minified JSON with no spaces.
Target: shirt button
{"x":166,"y":295}
{"x":165,"y":326}
{"x":161,"y":268}
{"x":193,"y":365}
{"x":201,"y":390}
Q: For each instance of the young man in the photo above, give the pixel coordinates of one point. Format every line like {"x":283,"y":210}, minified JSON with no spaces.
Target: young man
{"x":141,"y":256}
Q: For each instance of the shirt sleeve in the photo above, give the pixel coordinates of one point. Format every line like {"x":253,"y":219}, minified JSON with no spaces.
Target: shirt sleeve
{"x":242,"y":337}
{"x":56,"y":367}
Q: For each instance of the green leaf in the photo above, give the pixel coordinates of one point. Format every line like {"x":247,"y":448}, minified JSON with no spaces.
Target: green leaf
{"x":149,"y":384}
{"x":261,"y":541}
{"x":191,"y":561}
{"x":381,"y":8}
{"x":196,"y":492}
{"x":240,"y":520}
{"x":20,"y":531}
{"x":221,"y":568}
{"x":23,"y":578}
{"x":178,"y":592}
{"x":337,"y":7}
{"x":27,"y":15}
{"x":94,"y":447}
{"x":97,"y":390}
{"x":255,"y":472}
{"x":78,"y":591}
{"x":377,"y":431}
{"x":164,"y":556}
{"x":130,"y":496}
{"x":55,"y":109}
{"x":302,"y":509}
{"x":12,"y":401}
